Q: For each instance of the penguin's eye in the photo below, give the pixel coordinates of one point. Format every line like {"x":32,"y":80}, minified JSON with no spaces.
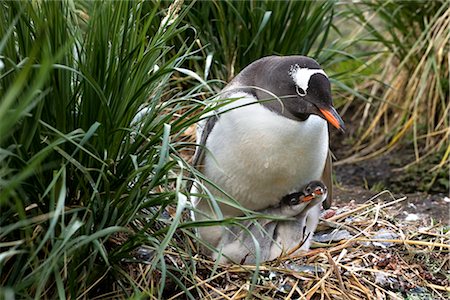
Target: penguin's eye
{"x":301,"y":92}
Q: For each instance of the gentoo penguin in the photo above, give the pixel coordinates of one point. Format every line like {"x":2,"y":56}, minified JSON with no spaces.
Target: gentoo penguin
{"x":265,"y":145}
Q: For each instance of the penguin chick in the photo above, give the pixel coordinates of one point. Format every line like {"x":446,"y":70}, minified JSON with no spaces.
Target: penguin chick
{"x":274,"y":237}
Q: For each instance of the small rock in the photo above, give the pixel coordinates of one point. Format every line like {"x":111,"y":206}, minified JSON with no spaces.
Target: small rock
{"x":272,"y":276}
{"x":285,"y":288}
{"x":412,"y":205}
{"x":145,"y":254}
{"x":381,"y":279}
{"x":334,"y":236}
{"x":387,"y":282}
{"x":418,"y":293}
{"x":306,"y":269}
{"x":412,"y":217}
{"x":384,"y":234}
{"x":165,"y":215}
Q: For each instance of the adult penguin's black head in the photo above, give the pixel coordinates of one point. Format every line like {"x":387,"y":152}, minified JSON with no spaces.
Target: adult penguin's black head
{"x":300,"y":85}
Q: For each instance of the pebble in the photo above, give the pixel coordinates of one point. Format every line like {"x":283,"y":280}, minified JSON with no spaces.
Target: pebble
{"x":306,"y":269}
{"x":335,"y":236}
{"x":145,"y":254}
{"x":384,"y":234}
{"x":412,"y":217}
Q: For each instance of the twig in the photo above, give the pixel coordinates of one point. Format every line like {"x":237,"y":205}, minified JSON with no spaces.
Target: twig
{"x":292,"y":290}
{"x":348,"y":213}
{"x":197,"y":284}
{"x":395,"y":297}
{"x":237,"y":292}
{"x":439,"y":287}
{"x":337,"y":273}
{"x":312,"y":291}
{"x":409,"y":242}
{"x":215,"y":290}
{"x":359,"y":284}
{"x":377,"y":214}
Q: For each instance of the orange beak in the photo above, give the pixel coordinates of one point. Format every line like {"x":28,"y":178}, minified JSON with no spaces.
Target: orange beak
{"x":307,"y":198}
{"x":312,"y":196}
{"x":332,"y":116}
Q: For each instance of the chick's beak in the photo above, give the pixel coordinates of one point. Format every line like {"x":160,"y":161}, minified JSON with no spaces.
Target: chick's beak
{"x":332,"y":116}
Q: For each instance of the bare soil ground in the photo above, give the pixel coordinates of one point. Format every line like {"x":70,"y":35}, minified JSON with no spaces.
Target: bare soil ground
{"x":428,"y":208}
{"x":363,"y":180}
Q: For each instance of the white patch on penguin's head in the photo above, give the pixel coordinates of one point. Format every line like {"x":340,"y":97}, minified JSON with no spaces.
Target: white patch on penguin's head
{"x":301,"y":76}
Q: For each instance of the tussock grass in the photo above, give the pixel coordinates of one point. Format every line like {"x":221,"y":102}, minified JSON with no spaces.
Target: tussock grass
{"x":77,"y":169}
{"x":233,"y":34}
{"x":409,"y":99}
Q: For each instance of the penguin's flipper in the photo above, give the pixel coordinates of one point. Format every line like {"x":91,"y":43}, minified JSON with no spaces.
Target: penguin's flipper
{"x":328,"y":181}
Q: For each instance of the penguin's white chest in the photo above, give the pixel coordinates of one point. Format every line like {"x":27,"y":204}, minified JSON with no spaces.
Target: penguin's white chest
{"x":258,"y":156}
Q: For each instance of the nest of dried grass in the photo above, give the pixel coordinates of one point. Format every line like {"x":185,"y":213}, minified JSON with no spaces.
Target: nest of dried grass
{"x":373,"y":255}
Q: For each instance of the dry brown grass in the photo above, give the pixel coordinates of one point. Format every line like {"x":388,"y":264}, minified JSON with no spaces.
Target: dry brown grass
{"x":409,"y":99}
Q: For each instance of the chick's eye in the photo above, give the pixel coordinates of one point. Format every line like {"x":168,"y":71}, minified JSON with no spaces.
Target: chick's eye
{"x":301,"y":92}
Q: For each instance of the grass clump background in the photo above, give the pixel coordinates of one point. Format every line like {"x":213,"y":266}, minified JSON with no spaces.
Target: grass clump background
{"x":98,"y":102}
{"x":76,"y":166}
